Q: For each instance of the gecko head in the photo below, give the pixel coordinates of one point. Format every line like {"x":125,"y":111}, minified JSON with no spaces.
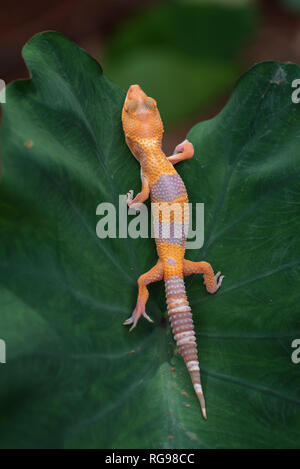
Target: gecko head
{"x":140,"y":115}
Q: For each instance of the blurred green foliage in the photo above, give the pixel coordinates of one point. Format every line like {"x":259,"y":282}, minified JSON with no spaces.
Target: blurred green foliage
{"x":292,"y":5}
{"x":182,"y":53}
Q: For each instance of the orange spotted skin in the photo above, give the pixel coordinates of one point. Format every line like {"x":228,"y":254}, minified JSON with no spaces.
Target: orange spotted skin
{"x":143,"y":129}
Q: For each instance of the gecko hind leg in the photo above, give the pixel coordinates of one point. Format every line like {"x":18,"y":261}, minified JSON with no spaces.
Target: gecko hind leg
{"x":153,"y":275}
{"x":212,"y":281}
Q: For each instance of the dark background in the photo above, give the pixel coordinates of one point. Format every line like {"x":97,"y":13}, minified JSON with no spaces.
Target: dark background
{"x":94,"y":24}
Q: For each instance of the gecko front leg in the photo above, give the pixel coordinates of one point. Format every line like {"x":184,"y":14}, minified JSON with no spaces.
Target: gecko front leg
{"x":141,"y":197}
{"x":183,"y":151}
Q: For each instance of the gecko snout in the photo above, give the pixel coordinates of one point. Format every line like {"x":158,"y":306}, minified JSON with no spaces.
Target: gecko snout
{"x":140,"y":114}
{"x":135,"y":92}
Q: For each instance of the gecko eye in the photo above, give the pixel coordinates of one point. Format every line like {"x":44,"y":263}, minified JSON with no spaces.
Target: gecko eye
{"x":149,"y":103}
{"x":132,"y":106}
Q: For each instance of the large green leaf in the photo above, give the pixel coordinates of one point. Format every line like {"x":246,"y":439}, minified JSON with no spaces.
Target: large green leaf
{"x":74,"y":375}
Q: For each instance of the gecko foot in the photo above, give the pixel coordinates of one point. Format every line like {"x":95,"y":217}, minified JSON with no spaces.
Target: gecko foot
{"x":180,"y":147}
{"x":134,"y":319}
{"x":130,"y":201}
{"x":214,"y":286}
{"x":137,"y":313}
{"x":185,"y":146}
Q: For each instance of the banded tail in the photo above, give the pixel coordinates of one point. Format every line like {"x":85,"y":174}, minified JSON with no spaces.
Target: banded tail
{"x":181,"y":320}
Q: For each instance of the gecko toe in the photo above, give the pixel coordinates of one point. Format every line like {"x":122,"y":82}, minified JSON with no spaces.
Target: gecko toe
{"x":219,"y":279}
{"x":133,"y":326}
{"x":147,"y":317}
{"x":217,"y":276}
{"x":129,"y":196}
{"x":128,"y":321}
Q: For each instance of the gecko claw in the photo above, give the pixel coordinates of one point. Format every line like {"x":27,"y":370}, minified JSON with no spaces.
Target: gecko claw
{"x":147,"y":317}
{"x":128,"y":321}
{"x":219,"y":280}
{"x":132,"y":321}
{"x":135,"y":317}
{"x":133,"y":325}
{"x":129,"y":197}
